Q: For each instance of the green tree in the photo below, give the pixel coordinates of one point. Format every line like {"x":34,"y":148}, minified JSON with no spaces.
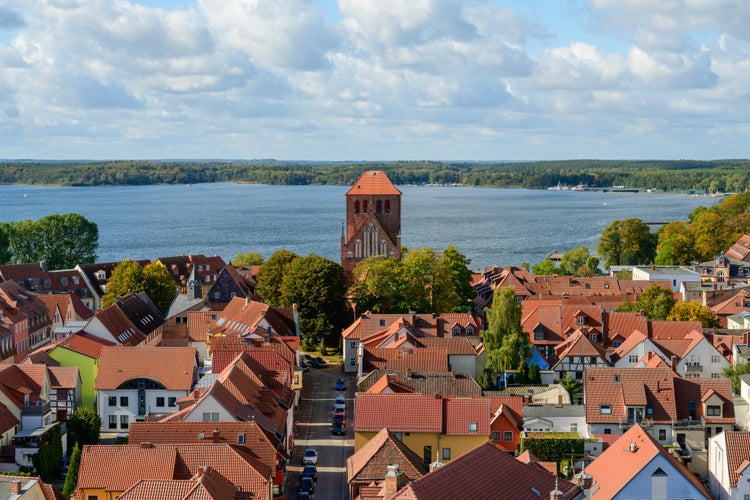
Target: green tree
{"x":71,"y":479}
{"x":535,"y":375}
{"x":505,"y":343}
{"x":127,"y":277}
{"x":159,"y":285}
{"x":84,"y":425}
{"x":627,"y":242}
{"x":574,"y":388}
{"x":271,"y":276}
{"x":734,"y":373}
{"x":47,"y":460}
{"x":67,"y":240}
{"x":675,"y":246}
{"x":376,"y":284}
{"x":5,"y":256}
{"x":248,"y":259}
{"x":545,"y":268}
{"x":460,"y":280}
{"x":317,"y":286}
{"x":693,"y":311}
{"x":657,"y":302}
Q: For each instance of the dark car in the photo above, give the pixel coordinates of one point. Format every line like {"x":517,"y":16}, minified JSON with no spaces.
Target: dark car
{"x":311,"y":472}
{"x":303,"y":495}
{"x":341,"y":384}
{"x":318,"y":362}
{"x":306,"y":484}
{"x":338,"y":428}
{"x":338,"y":417}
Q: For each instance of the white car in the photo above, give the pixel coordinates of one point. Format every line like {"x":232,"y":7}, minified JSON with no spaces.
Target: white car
{"x":310,"y":457}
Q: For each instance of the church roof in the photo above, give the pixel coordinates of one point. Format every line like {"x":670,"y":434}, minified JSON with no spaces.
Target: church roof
{"x":373,"y":182}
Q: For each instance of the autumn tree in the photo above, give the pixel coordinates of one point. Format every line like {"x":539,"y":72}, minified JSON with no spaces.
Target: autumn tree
{"x":317,"y":285}
{"x":627,"y":242}
{"x":271,"y":275}
{"x":693,"y":311}
{"x":579,"y":262}
{"x":128,"y":277}
{"x":655,"y":301}
{"x":248,"y":259}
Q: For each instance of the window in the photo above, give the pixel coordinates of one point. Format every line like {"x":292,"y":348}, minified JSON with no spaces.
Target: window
{"x":172,"y":402}
{"x":378,"y":206}
{"x":92,"y":497}
{"x":607,"y":431}
{"x":123,"y":401}
{"x":112,"y":401}
{"x":217,"y":295}
{"x":580,"y":320}
{"x":507,"y":436}
{"x":446,"y":453}
{"x":113,"y":421}
{"x":592,"y":337}
{"x":387,"y":206}
{"x":210,"y":416}
{"x":381,"y":322}
{"x":716,"y":375}
{"x":539,"y":334}
{"x":633,"y":358}
{"x":399,"y":435}
{"x":123,"y":421}
{"x":456,"y":331}
{"x":573,"y":427}
{"x":356,"y":207}
{"x":472,"y":427}
{"x":713,"y":411}
{"x":469,"y":331}
{"x":662,"y":434}
{"x":241,"y":439}
{"x":160,"y":402}
{"x":616,"y":343}
{"x":715,"y":359}
{"x":495,"y":435}
{"x":605,"y":410}
{"x":352,"y":362}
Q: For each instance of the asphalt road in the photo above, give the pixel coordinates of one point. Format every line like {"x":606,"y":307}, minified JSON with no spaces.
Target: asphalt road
{"x":314,"y":431}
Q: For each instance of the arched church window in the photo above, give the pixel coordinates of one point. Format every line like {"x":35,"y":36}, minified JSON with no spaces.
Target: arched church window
{"x":387,"y":206}
{"x":356,"y":207}
{"x":378,"y":206}
{"x":358,"y":248}
{"x":364,"y":206}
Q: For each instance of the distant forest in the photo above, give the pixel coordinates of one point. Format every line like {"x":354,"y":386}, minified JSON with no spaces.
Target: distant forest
{"x":708,"y":176}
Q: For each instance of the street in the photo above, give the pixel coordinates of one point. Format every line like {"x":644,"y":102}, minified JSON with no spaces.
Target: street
{"x":314,"y":431}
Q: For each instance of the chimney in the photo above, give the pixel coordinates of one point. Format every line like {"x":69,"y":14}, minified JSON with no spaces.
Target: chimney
{"x":216,"y":436}
{"x":16,"y":487}
{"x":633,"y":447}
{"x":200,"y":471}
{"x":394,"y":480}
{"x":674,"y":362}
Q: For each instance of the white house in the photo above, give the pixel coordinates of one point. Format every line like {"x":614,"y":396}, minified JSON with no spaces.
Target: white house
{"x":133,"y":382}
{"x":729,"y":465}
{"x":559,"y":418}
{"x":677,"y":275}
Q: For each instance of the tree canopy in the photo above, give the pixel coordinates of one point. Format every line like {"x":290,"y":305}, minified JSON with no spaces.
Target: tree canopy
{"x":84,"y":425}
{"x":627,"y":242}
{"x":506,"y":344}
{"x":61,"y":241}
{"x":655,"y":301}
{"x":155,"y":279}
{"x":271,"y":275}
{"x":693,"y":311}
{"x":421,"y":281}
{"x":248,"y":259}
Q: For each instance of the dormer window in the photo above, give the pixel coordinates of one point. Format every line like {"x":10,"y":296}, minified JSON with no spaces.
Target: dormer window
{"x":539,"y":333}
{"x":605,"y":409}
{"x":101,"y":275}
{"x":469,"y":331}
{"x":580,"y":320}
{"x":456,"y":331}
{"x":713,"y":411}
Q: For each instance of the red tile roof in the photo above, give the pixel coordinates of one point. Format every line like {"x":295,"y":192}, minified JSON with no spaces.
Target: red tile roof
{"x":461,"y":415}
{"x":7,"y":420}
{"x":371,"y":462}
{"x":619,"y":463}
{"x":373,"y":182}
{"x":63,"y":377}
{"x":86,"y":344}
{"x":396,"y":412}
{"x":487,"y":472}
{"x":740,"y":250}
{"x":421,"y":359}
{"x":698,"y":390}
{"x":738,"y":451}
{"x":173,"y":367}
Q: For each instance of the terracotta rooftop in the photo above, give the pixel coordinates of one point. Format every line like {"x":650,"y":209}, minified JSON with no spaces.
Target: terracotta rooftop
{"x":420,"y":359}
{"x":619,"y":463}
{"x":86,"y":344}
{"x":428,"y":383}
{"x":738,"y":451}
{"x":7,"y":420}
{"x":63,"y":377}
{"x":483,"y":470}
{"x":373,"y":182}
{"x":740,"y":250}
{"x":371,"y":462}
{"x":697,"y":390}
{"x":173,"y":367}
{"x":396,"y":412}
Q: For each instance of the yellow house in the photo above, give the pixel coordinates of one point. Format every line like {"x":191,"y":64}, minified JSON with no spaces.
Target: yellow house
{"x":435,"y":428}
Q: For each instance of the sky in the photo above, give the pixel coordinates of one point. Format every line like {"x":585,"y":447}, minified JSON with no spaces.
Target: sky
{"x":368,"y":80}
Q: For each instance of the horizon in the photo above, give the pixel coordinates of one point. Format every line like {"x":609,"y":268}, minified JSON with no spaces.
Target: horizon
{"x":331,"y":80}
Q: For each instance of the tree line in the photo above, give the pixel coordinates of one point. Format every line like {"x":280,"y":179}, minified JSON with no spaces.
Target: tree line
{"x":667,"y":175}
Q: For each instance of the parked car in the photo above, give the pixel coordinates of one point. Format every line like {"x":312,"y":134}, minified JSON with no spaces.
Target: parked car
{"x":338,"y":417}
{"x":318,"y":362}
{"x":311,"y":472}
{"x":306,"y":484}
{"x":303,"y":495}
{"x":341,"y":384}
{"x":306,"y":357}
{"x":310,"y":457}
{"x":338,"y":428}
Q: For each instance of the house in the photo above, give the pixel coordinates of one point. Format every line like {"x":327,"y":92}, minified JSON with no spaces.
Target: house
{"x":95,"y":279}
{"x":425,"y":359}
{"x":26,"y":488}
{"x":709,"y":293}
{"x":370,"y":464}
{"x":555,"y":418}
{"x":676,"y":275}
{"x":733,"y":306}
{"x":25,"y":317}
{"x":134,"y":382}
{"x":577,"y":353}
{"x":245,"y":434}
{"x":229,"y":284}
{"x":486,"y":472}
{"x":65,"y":391}
{"x":207,"y":483}
{"x":506,"y":422}
{"x":107,"y":471}
{"x":728,"y":460}
{"x":724,"y":269}
{"x":443,"y":429}
{"x":35,"y":277}
{"x":175,"y":328}
{"x":638,"y":466}
{"x":536,"y":394}
{"x":82,"y":351}
{"x":181,"y":266}
{"x":67,"y":306}
{"x":132,"y":321}
{"x":450,"y":384}
{"x":252,"y":319}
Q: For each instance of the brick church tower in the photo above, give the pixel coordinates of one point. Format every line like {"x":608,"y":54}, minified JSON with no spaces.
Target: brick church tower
{"x":373,"y":220}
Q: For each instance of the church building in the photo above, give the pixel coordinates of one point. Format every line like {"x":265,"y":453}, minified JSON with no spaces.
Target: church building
{"x":373,"y":220}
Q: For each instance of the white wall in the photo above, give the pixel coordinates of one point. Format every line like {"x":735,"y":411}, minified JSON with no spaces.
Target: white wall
{"x":463,"y":363}
{"x":350,"y":355}
{"x":131,"y":408}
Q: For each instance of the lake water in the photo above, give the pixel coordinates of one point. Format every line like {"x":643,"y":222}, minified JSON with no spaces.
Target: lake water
{"x":489,"y":226}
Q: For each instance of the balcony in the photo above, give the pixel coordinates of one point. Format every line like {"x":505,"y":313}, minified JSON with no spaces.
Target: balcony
{"x":683,"y":451}
{"x":688,"y":424}
{"x":693,"y":368}
{"x":627,"y":423}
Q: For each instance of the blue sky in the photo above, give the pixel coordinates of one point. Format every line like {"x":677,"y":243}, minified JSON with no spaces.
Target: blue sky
{"x":374,"y":79}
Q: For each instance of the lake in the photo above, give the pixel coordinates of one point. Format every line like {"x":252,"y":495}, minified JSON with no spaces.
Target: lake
{"x":489,"y":226}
